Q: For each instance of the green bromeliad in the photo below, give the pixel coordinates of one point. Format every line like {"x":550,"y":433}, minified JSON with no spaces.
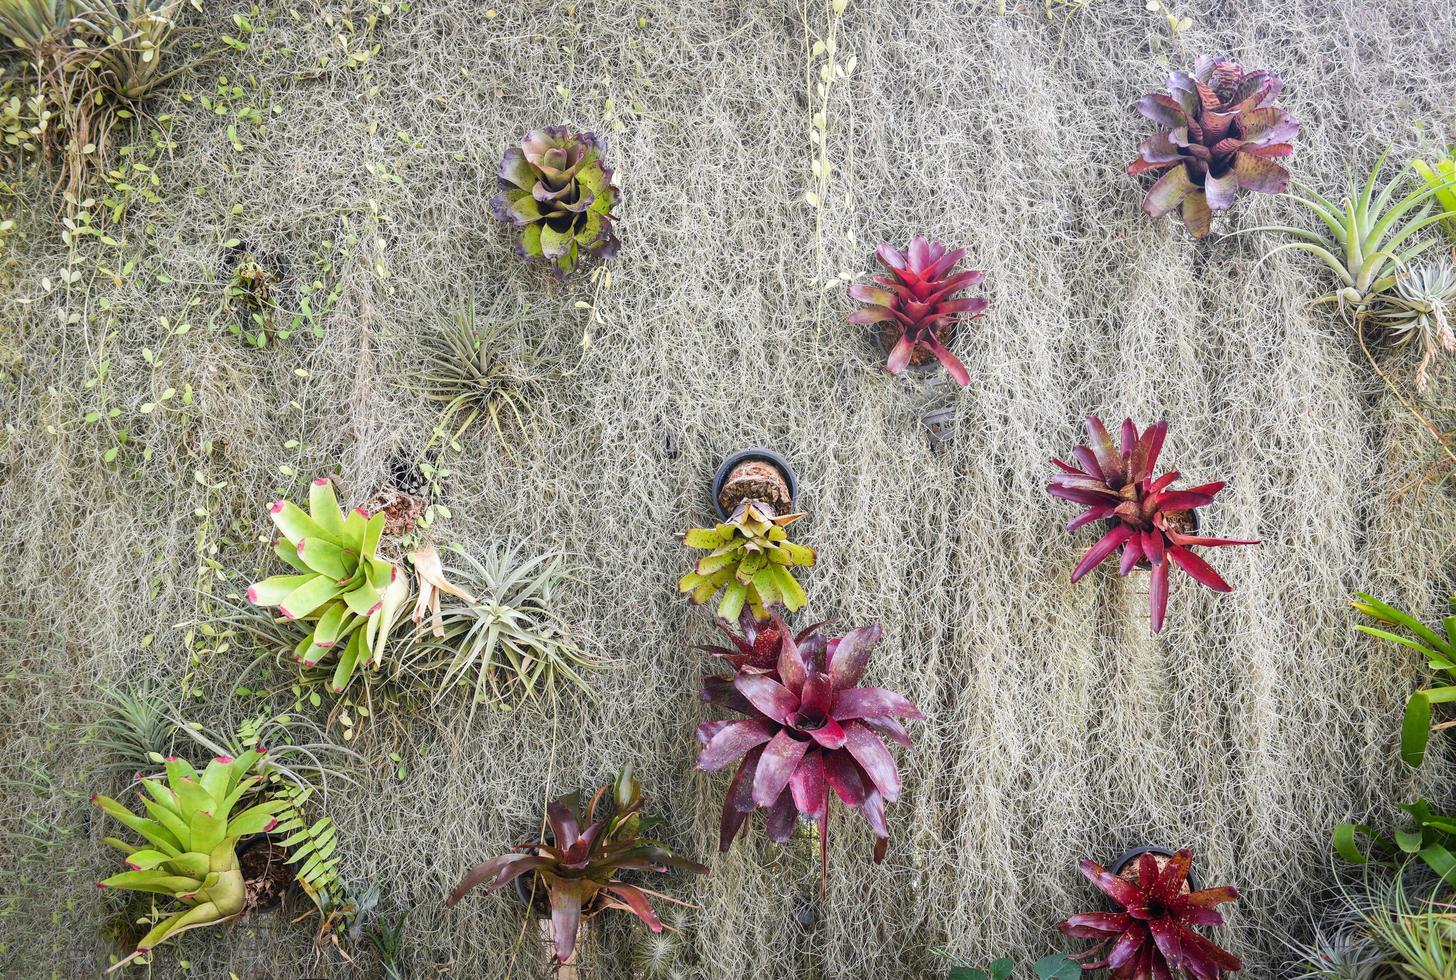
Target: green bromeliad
{"x":339,"y":584}
{"x":190,"y":841}
{"x":554,"y":188}
{"x":749,"y":559}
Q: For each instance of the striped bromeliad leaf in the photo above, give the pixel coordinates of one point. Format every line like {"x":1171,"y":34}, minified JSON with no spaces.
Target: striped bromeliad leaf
{"x":339,"y":584}
{"x":189,"y":841}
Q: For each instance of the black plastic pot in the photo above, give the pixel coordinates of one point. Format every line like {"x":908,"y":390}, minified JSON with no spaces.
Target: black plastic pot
{"x":277,"y":858}
{"x":1162,"y":852}
{"x":929,"y":363}
{"x":521,"y":887}
{"x":744,"y":456}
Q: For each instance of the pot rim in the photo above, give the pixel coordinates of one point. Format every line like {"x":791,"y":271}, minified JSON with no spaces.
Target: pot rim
{"x":742,"y":456}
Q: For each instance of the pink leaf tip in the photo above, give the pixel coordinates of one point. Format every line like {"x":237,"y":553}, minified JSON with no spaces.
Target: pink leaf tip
{"x":275,"y":506}
{"x":374,"y":609}
{"x":252,"y":595}
{"x":224,"y":759}
{"x":362,"y":512}
{"x":321,"y":481}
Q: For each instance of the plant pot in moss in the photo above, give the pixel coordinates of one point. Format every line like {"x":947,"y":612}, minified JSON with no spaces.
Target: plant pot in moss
{"x":939,"y":426}
{"x":758,"y":475}
{"x":268,"y":879}
{"x":1127,"y":864}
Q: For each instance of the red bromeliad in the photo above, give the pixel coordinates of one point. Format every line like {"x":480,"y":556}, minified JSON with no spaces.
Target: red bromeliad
{"x":809,"y":728}
{"x":1151,"y":522}
{"x":1151,"y":938}
{"x":916,"y":305}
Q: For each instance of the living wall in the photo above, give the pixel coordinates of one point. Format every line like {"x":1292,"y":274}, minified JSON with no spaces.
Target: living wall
{"x":351,"y":150}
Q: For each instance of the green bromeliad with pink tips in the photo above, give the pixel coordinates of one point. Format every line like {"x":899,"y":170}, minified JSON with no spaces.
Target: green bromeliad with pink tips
{"x":190,"y":842}
{"x":340,"y":584}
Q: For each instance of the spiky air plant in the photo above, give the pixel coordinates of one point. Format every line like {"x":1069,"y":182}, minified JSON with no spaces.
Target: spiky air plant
{"x":1368,"y":237}
{"x":132,"y":729}
{"x":466,"y":368}
{"x":808,"y":730}
{"x":555,"y":189}
{"x":749,"y":560}
{"x":1149,"y":520}
{"x":1152,"y":937}
{"x":917,"y":307}
{"x":1438,"y":646}
{"x":510,"y":634}
{"x":348,"y":594}
{"x":577,"y":865}
{"x":1418,"y":311}
{"x":1222,"y":133}
{"x":1441,"y":176}
{"x":190,"y":849}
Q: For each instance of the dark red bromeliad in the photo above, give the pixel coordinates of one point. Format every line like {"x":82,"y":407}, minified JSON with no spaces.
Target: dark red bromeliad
{"x":808,"y":729}
{"x":1152,"y":937}
{"x":1154,"y":524}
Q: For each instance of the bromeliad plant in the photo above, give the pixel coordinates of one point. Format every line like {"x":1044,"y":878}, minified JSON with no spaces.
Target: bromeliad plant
{"x":348,"y":594}
{"x":555,"y":189}
{"x":1222,"y":133}
{"x":917,"y":307}
{"x":578,"y":864}
{"x":1439,"y":649}
{"x":1152,"y":937}
{"x":191,"y":836}
{"x":749,"y":560}
{"x":1154,"y":524}
{"x":808,"y":730}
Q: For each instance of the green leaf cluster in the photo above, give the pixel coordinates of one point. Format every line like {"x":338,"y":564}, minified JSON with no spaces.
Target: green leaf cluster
{"x":339,"y":584}
{"x":1432,"y":841}
{"x":749,"y":560}
{"x":190,"y":841}
{"x":1439,"y":649}
{"x":1054,"y":967}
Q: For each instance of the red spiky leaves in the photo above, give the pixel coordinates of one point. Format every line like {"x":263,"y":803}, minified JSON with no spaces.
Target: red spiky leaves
{"x":809,"y":732}
{"x":918,"y":305}
{"x":1152,"y":938}
{"x":1153,"y":524}
{"x":1220,"y":133}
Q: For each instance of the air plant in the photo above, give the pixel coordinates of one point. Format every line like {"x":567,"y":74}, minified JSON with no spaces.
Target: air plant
{"x":1150,"y":521}
{"x":749,"y":559}
{"x":1152,"y":937}
{"x":132,"y":729}
{"x":1370,"y":237}
{"x":917,"y":307}
{"x":808,"y":729}
{"x":1419,"y":310}
{"x":1441,"y":176}
{"x":578,"y":863}
{"x":465,"y":368}
{"x":509,"y":631}
{"x":348,"y":594}
{"x":1222,"y":133}
{"x":29,"y":24}
{"x":190,"y":849}
{"x":1439,"y":649}
{"x":555,"y":189}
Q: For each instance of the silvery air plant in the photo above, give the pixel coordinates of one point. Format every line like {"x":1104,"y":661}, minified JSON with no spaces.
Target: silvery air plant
{"x":340,"y":586}
{"x":555,"y":190}
{"x":809,"y":731}
{"x":1221,"y":133}
{"x":1154,"y":524}
{"x":190,"y":837}
{"x":917,"y":307}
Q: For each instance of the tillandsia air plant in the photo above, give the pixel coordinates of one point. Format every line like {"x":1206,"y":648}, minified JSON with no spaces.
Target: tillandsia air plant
{"x":1368,"y":239}
{"x":809,"y":731}
{"x":578,"y":863}
{"x":1439,"y":649}
{"x":1154,"y":524}
{"x":510,"y":633}
{"x":917,"y":307}
{"x":554,"y":188}
{"x":191,"y":837}
{"x":1152,"y":938}
{"x":1419,"y":311}
{"x":467,"y":369}
{"x":341,"y":587}
{"x":1222,"y":133}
